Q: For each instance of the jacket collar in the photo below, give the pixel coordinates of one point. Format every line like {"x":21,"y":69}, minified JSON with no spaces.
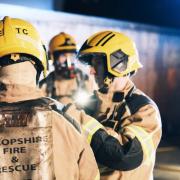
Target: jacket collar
{"x":120,"y":94}
{"x":13,"y":93}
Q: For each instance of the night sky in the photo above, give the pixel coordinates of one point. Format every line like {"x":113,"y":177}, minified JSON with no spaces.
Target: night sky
{"x":164,"y":13}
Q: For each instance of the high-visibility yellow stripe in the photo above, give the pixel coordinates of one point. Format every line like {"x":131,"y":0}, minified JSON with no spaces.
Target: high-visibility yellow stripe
{"x":145,"y":140}
{"x":90,"y":128}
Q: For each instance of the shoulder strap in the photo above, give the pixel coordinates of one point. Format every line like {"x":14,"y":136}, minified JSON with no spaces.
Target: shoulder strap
{"x":61,"y":109}
{"x":136,"y":101}
{"x":49,"y":81}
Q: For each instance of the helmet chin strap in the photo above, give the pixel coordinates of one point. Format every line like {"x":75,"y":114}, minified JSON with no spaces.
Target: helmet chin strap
{"x":107,"y":82}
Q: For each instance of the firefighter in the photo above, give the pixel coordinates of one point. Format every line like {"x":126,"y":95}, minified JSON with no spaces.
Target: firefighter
{"x":65,"y":82}
{"x":125,"y":137}
{"x":38,"y":140}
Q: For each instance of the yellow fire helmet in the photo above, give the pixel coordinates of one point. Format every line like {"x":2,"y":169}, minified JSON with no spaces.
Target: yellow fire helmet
{"x":120,"y":52}
{"x":62,"y":42}
{"x":20,"y":37}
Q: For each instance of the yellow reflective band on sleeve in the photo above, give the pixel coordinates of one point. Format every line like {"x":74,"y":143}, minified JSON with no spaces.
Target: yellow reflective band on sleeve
{"x":145,"y":140}
{"x":90,"y":128}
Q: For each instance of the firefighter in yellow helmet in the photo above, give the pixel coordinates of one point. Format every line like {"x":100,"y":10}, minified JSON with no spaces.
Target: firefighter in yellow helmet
{"x":38,"y":140}
{"x":128,"y":130}
{"x":66,"y":80}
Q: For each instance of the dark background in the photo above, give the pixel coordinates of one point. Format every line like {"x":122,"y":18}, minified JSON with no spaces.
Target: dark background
{"x":164,"y":13}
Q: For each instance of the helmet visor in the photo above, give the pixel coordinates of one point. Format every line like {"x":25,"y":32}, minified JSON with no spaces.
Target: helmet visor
{"x":118,"y":61}
{"x":65,"y":58}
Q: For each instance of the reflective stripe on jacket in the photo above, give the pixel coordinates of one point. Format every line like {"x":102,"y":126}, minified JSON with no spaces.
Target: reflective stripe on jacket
{"x":126,"y":144}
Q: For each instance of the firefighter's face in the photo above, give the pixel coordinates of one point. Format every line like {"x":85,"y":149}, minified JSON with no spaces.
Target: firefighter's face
{"x":67,"y":59}
{"x":98,"y":68}
{"x":65,"y":63}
